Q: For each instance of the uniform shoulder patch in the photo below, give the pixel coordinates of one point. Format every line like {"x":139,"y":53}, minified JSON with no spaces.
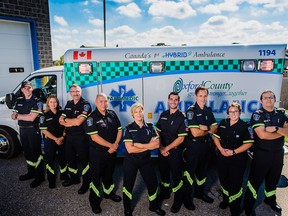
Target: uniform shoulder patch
{"x":89,"y":121}
{"x":86,"y":107}
{"x":256,"y":116}
{"x":41,"y":119}
{"x":190,"y":114}
{"x":40,"y":105}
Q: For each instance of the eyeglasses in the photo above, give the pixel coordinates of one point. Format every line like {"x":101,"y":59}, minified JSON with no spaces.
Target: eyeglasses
{"x":74,"y":91}
{"x":233,"y":112}
{"x":268,"y":98}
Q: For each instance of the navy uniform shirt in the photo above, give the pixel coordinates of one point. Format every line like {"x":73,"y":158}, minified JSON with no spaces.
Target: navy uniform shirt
{"x":133,"y":133}
{"x":196,"y":116}
{"x":106,"y":126}
{"x":171,"y":126}
{"x":262,"y":117}
{"x":71,"y":110}
{"x":233,"y":136}
{"x":23,"y":106}
{"x":50,"y":122}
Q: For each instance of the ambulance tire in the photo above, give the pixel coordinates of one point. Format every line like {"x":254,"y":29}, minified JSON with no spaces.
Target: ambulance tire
{"x":9,"y":143}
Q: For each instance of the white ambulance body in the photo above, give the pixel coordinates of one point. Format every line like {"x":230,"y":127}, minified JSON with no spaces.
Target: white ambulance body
{"x":147,"y":75}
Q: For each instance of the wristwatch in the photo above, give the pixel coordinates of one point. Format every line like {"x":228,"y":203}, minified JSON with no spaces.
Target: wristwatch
{"x":234,"y":153}
{"x":276,"y":129}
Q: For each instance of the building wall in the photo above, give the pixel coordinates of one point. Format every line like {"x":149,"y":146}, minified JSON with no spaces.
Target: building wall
{"x":284,"y":93}
{"x":37,"y":10}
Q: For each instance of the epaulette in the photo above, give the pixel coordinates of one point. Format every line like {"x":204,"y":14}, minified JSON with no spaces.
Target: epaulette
{"x":259,"y":111}
{"x":280,"y":109}
{"x":192,"y":107}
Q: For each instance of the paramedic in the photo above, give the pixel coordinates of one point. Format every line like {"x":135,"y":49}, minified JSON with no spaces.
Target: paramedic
{"x":26,"y":110}
{"x":232,"y":141}
{"x":201,"y":123}
{"x":54,"y":135}
{"x":270,"y":127}
{"x":104,"y":128}
{"x":74,"y":114}
{"x":172,"y":130}
{"x":140,"y":138}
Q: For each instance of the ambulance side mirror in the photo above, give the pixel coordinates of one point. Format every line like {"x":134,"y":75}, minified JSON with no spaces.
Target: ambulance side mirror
{"x":10,"y":100}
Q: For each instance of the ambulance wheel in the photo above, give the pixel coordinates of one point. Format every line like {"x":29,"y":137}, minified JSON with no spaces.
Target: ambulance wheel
{"x":9,"y":143}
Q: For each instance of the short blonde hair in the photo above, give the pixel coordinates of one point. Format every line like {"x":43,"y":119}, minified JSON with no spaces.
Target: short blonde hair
{"x":135,"y":106}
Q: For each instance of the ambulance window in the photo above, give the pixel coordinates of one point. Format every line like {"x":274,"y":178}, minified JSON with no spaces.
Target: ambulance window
{"x":157,"y":67}
{"x":85,"y":68}
{"x":43,"y":86}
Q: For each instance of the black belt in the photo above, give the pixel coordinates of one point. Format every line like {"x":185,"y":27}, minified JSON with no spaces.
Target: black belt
{"x":142,"y":155}
{"x":30,"y":126}
{"x":200,"y":140}
{"x":75,"y":133}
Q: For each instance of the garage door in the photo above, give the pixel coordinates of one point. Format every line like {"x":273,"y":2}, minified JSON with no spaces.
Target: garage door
{"x":15,"y":54}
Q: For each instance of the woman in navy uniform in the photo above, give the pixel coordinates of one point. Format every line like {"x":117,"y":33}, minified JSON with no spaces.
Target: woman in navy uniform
{"x":232,"y":140}
{"x":53,"y":140}
{"x":140,"y":138}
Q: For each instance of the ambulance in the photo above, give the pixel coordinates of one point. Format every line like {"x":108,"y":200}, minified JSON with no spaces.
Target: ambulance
{"x":147,"y":75}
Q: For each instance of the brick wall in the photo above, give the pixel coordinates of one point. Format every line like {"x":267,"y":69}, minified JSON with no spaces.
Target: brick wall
{"x":37,"y":10}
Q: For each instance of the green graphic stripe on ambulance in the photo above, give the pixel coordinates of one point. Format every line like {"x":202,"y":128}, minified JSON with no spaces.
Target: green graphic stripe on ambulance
{"x":69,"y":74}
{"x":202,"y":65}
{"x":72,"y":75}
{"x":278,"y":65}
{"x":113,"y":70}
{"x":213,"y":65}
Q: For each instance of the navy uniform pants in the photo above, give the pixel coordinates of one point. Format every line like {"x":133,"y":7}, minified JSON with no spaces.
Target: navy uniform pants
{"x":131,"y":165}
{"x":78,"y":145}
{"x":173,"y":164}
{"x":51,"y":149}
{"x":102,"y":166}
{"x":197,"y":157}
{"x":31,"y":145}
{"x":231,"y":172}
{"x":266,"y":165}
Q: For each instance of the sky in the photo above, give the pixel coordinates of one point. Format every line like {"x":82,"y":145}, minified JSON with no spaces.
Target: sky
{"x":143,"y":23}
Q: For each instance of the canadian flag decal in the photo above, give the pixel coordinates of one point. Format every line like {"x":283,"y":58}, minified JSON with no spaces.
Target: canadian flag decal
{"x":82,"y":55}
